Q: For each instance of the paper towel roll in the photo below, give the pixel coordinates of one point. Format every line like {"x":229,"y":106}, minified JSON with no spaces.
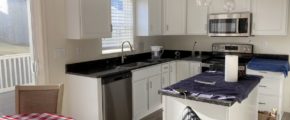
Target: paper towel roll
{"x":231,"y":68}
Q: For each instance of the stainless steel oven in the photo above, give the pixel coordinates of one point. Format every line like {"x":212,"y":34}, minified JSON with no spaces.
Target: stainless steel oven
{"x":229,"y":24}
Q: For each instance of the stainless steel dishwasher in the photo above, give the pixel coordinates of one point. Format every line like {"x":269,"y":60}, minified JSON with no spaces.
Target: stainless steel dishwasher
{"x":117,"y":97}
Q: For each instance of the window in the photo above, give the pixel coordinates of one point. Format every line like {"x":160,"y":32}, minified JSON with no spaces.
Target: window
{"x":123,"y":26}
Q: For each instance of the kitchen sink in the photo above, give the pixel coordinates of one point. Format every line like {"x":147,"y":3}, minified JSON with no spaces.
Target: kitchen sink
{"x":135,"y":64}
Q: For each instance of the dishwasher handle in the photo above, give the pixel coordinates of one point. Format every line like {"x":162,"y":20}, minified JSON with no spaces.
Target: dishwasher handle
{"x":114,"y":78}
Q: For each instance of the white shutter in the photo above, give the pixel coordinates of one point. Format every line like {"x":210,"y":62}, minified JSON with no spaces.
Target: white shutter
{"x":123,"y":26}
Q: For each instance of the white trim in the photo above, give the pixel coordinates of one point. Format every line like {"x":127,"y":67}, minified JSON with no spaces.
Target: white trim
{"x":39,"y":41}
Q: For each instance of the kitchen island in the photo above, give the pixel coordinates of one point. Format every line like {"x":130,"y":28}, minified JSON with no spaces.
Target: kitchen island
{"x":210,"y":101}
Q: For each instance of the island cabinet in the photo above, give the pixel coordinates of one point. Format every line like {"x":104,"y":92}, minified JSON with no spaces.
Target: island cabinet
{"x":88,"y":19}
{"x":218,"y":6}
{"x":196,"y":18}
{"x":270,"y":93}
{"x":174,"y":17}
{"x":270,"y":17}
{"x":174,"y":109}
{"x":148,"y":17}
{"x":186,"y":69}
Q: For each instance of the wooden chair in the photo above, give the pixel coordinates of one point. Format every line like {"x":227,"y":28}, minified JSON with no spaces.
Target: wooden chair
{"x":39,"y":99}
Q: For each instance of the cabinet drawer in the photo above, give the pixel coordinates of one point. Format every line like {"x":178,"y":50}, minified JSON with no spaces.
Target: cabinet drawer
{"x":270,"y":87}
{"x":146,"y":72}
{"x":165,"y":67}
{"x":267,"y":102}
{"x":266,"y":74}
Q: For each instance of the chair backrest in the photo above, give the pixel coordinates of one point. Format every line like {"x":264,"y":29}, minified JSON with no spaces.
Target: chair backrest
{"x":39,"y":99}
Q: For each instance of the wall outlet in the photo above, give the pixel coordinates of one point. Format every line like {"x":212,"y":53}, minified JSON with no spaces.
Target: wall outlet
{"x":59,"y":53}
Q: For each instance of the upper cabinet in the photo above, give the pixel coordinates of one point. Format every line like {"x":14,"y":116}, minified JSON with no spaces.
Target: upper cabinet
{"x":218,"y":6}
{"x":174,"y":17}
{"x":149,"y":17}
{"x":270,"y":17}
{"x":88,"y":19}
{"x":196,"y":18}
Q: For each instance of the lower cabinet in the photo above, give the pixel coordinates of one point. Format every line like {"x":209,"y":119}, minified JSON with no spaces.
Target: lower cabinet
{"x":146,"y":83}
{"x":186,"y":69}
{"x":270,"y":91}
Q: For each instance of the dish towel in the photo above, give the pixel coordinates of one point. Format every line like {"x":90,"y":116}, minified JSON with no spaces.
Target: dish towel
{"x":269,"y":65}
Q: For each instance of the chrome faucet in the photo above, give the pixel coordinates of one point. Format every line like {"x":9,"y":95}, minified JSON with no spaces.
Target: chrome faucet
{"x":123,"y":57}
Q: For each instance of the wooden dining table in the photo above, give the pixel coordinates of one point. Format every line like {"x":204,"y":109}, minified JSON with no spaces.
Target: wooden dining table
{"x":35,"y":116}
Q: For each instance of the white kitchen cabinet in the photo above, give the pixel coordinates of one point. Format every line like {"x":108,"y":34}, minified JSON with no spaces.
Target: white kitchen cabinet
{"x":195,"y":68}
{"x":196,"y":18}
{"x":146,"y":83}
{"x":186,"y":69}
{"x":172,"y":72}
{"x":217,"y":6}
{"x":168,"y":74}
{"x":88,"y":19}
{"x":149,"y":17}
{"x":165,"y":80}
{"x":270,"y":17}
{"x":154,"y":97}
{"x":182,"y":70}
{"x":140,"y":97}
{"x":270,"y":90}
{"x":174,"y":17}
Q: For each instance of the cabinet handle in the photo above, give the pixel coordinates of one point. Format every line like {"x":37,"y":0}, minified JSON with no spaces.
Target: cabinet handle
{"x":111,"y":27}
{"x":262,"y":86}
{"x":262,"y":103}
{"x":150,"y":83}
{"x":147,"y":86}
{"x":167,"y":27}
{"x":165,"y":68}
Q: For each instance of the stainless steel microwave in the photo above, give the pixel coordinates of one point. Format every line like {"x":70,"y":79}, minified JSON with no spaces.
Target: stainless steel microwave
{"x":229,"y":24}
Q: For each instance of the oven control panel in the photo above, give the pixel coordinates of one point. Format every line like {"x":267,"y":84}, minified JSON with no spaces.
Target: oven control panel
{"x":232,"y":48}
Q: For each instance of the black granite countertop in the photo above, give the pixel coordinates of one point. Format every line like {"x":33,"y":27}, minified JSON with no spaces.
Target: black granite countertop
{"x":212,"y":101}
{"x":111,"y":66}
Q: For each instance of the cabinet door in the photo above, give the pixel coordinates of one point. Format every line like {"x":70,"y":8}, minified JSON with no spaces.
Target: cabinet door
{"x":155,"y":17}
{"x":165,"y":80}
{"x":196,"y":18}
{"x":174,"y":17}
{"x":270,"y":17}
{"x":148,"y":17}
{"x":218,"y":6}
{"x":172,"y":72}
{"x":182,"y":71}
{"x":154,"y":86}
{"x":195,"y":68}
{"x":88,"y":19}
{"x":140,"y":98}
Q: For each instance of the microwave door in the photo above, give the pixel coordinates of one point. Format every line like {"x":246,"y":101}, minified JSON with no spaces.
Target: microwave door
{"x":222,"y":27}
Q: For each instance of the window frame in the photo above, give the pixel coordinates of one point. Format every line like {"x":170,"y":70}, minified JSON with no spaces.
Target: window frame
{"x":133,"y":42}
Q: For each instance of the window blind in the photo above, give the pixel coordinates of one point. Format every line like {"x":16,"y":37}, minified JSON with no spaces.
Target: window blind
{"x":122,"y":23}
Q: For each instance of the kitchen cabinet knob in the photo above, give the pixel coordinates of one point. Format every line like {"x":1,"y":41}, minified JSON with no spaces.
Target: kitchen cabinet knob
{"x":150,"y":84}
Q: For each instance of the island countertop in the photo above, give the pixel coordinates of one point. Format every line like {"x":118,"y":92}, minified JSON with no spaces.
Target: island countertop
{"x":219,"y":93}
